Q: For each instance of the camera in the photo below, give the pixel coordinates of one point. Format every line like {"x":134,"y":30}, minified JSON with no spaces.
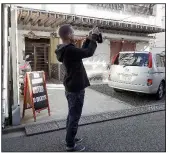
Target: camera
{"x":100,"y":38}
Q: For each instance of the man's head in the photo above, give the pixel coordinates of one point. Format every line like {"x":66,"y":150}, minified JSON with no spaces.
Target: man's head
{"x":66,"y":32}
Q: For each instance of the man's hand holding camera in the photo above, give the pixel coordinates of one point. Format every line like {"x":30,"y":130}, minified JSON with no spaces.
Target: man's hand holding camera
{"x":95,"y":34}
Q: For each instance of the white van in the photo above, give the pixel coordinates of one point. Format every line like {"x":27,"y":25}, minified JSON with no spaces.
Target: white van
{"x":142,"y":72}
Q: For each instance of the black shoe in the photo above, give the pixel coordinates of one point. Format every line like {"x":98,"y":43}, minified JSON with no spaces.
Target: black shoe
{"x":76,"y":148}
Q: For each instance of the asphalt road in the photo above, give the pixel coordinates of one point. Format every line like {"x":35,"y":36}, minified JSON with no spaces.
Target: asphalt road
{"x":138,"y":133}
{"x":127,"y":97}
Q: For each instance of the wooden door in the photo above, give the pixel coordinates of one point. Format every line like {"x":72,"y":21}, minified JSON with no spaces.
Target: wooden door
{"x":115,"y":47}
{"x":39,"y":56}
{"x":128,"y":46}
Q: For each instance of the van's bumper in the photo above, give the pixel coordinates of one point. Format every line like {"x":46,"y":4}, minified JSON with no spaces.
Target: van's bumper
{"x":131,"y":87}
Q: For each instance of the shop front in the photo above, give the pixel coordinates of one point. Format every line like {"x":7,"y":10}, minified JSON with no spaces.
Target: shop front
{"x":38,"y":37}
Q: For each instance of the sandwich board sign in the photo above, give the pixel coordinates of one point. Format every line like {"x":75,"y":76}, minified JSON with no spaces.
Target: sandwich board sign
{"x":35,"y":93}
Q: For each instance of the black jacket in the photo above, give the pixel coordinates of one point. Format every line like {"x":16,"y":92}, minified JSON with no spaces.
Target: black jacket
{"x":75,"y":78}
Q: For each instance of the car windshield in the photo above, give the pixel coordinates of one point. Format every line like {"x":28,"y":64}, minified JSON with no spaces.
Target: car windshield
{"x":133,"y":59}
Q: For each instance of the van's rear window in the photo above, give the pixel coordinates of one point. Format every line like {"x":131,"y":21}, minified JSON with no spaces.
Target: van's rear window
{"x":132,"y":59}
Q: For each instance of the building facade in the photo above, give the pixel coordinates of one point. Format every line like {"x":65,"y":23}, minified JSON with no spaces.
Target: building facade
{"x":125,"y":27}
{"x":159,"y":41}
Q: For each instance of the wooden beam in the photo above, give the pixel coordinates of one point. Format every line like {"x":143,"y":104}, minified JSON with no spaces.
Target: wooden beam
{"x":69,"y":20}
{"x":60,"y":20}
{"x":26,"y":17}
{"x":44,"y":17}
{"x":19,"y":16}
{"x":78,"y":20}
{"x":26,"y":20}
{"x":52,"y":19}
{"x":85,"y":21}
{"x":35,"y":17}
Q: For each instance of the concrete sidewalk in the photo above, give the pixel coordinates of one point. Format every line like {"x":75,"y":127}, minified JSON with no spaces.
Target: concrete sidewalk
{"x":95,"y":103}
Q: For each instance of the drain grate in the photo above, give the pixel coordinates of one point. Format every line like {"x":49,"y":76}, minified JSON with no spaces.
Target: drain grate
{"x":41,"y":128}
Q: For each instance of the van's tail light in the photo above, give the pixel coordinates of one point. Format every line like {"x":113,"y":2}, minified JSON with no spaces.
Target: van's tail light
{"x":149,"y":82}
{"x":150,"y":60}
{"x":114,"y":58}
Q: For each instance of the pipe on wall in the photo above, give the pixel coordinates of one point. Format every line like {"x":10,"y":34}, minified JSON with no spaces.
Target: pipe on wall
{"x":5,"y":62}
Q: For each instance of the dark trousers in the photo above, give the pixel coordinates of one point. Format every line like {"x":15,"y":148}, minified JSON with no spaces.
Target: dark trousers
{"x":75,"y":105}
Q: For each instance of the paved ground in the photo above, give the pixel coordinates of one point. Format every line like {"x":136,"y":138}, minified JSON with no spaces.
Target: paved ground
{"x":130,"y":98}
{"x":138,"y":133}
{"x":95,"y":103}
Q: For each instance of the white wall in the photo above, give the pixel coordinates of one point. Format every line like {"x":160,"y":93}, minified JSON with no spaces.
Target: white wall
{"x":21,"y":46}
{"x":159,"y":42}
{"x":103,"y":50}
{"x":102,"y":53}
{"x":142,"y":46}
{"x":160,"y":14}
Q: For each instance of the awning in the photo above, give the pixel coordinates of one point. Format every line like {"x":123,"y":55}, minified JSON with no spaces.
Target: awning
{"x":41,"y":18}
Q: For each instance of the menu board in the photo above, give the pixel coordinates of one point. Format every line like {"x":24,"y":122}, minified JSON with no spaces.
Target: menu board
{"x":38,"y":90}
{"x":35,"y":85}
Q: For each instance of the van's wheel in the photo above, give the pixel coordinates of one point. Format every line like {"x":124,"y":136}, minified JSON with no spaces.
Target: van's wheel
{"x":117,"y":90}
{"x":161,"y":90}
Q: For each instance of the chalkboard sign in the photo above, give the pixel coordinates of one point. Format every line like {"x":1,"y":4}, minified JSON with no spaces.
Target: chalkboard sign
{"x":36,"y":85}
{"x":38,"y":90}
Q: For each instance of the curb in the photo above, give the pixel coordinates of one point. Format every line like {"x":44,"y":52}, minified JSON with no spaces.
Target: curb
{"x":53,"y":125}
{"x":86,"y":120}
{"x":13,"y":129}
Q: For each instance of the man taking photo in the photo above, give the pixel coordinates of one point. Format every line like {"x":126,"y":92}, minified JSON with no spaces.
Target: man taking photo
{"x":75,"y":79}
